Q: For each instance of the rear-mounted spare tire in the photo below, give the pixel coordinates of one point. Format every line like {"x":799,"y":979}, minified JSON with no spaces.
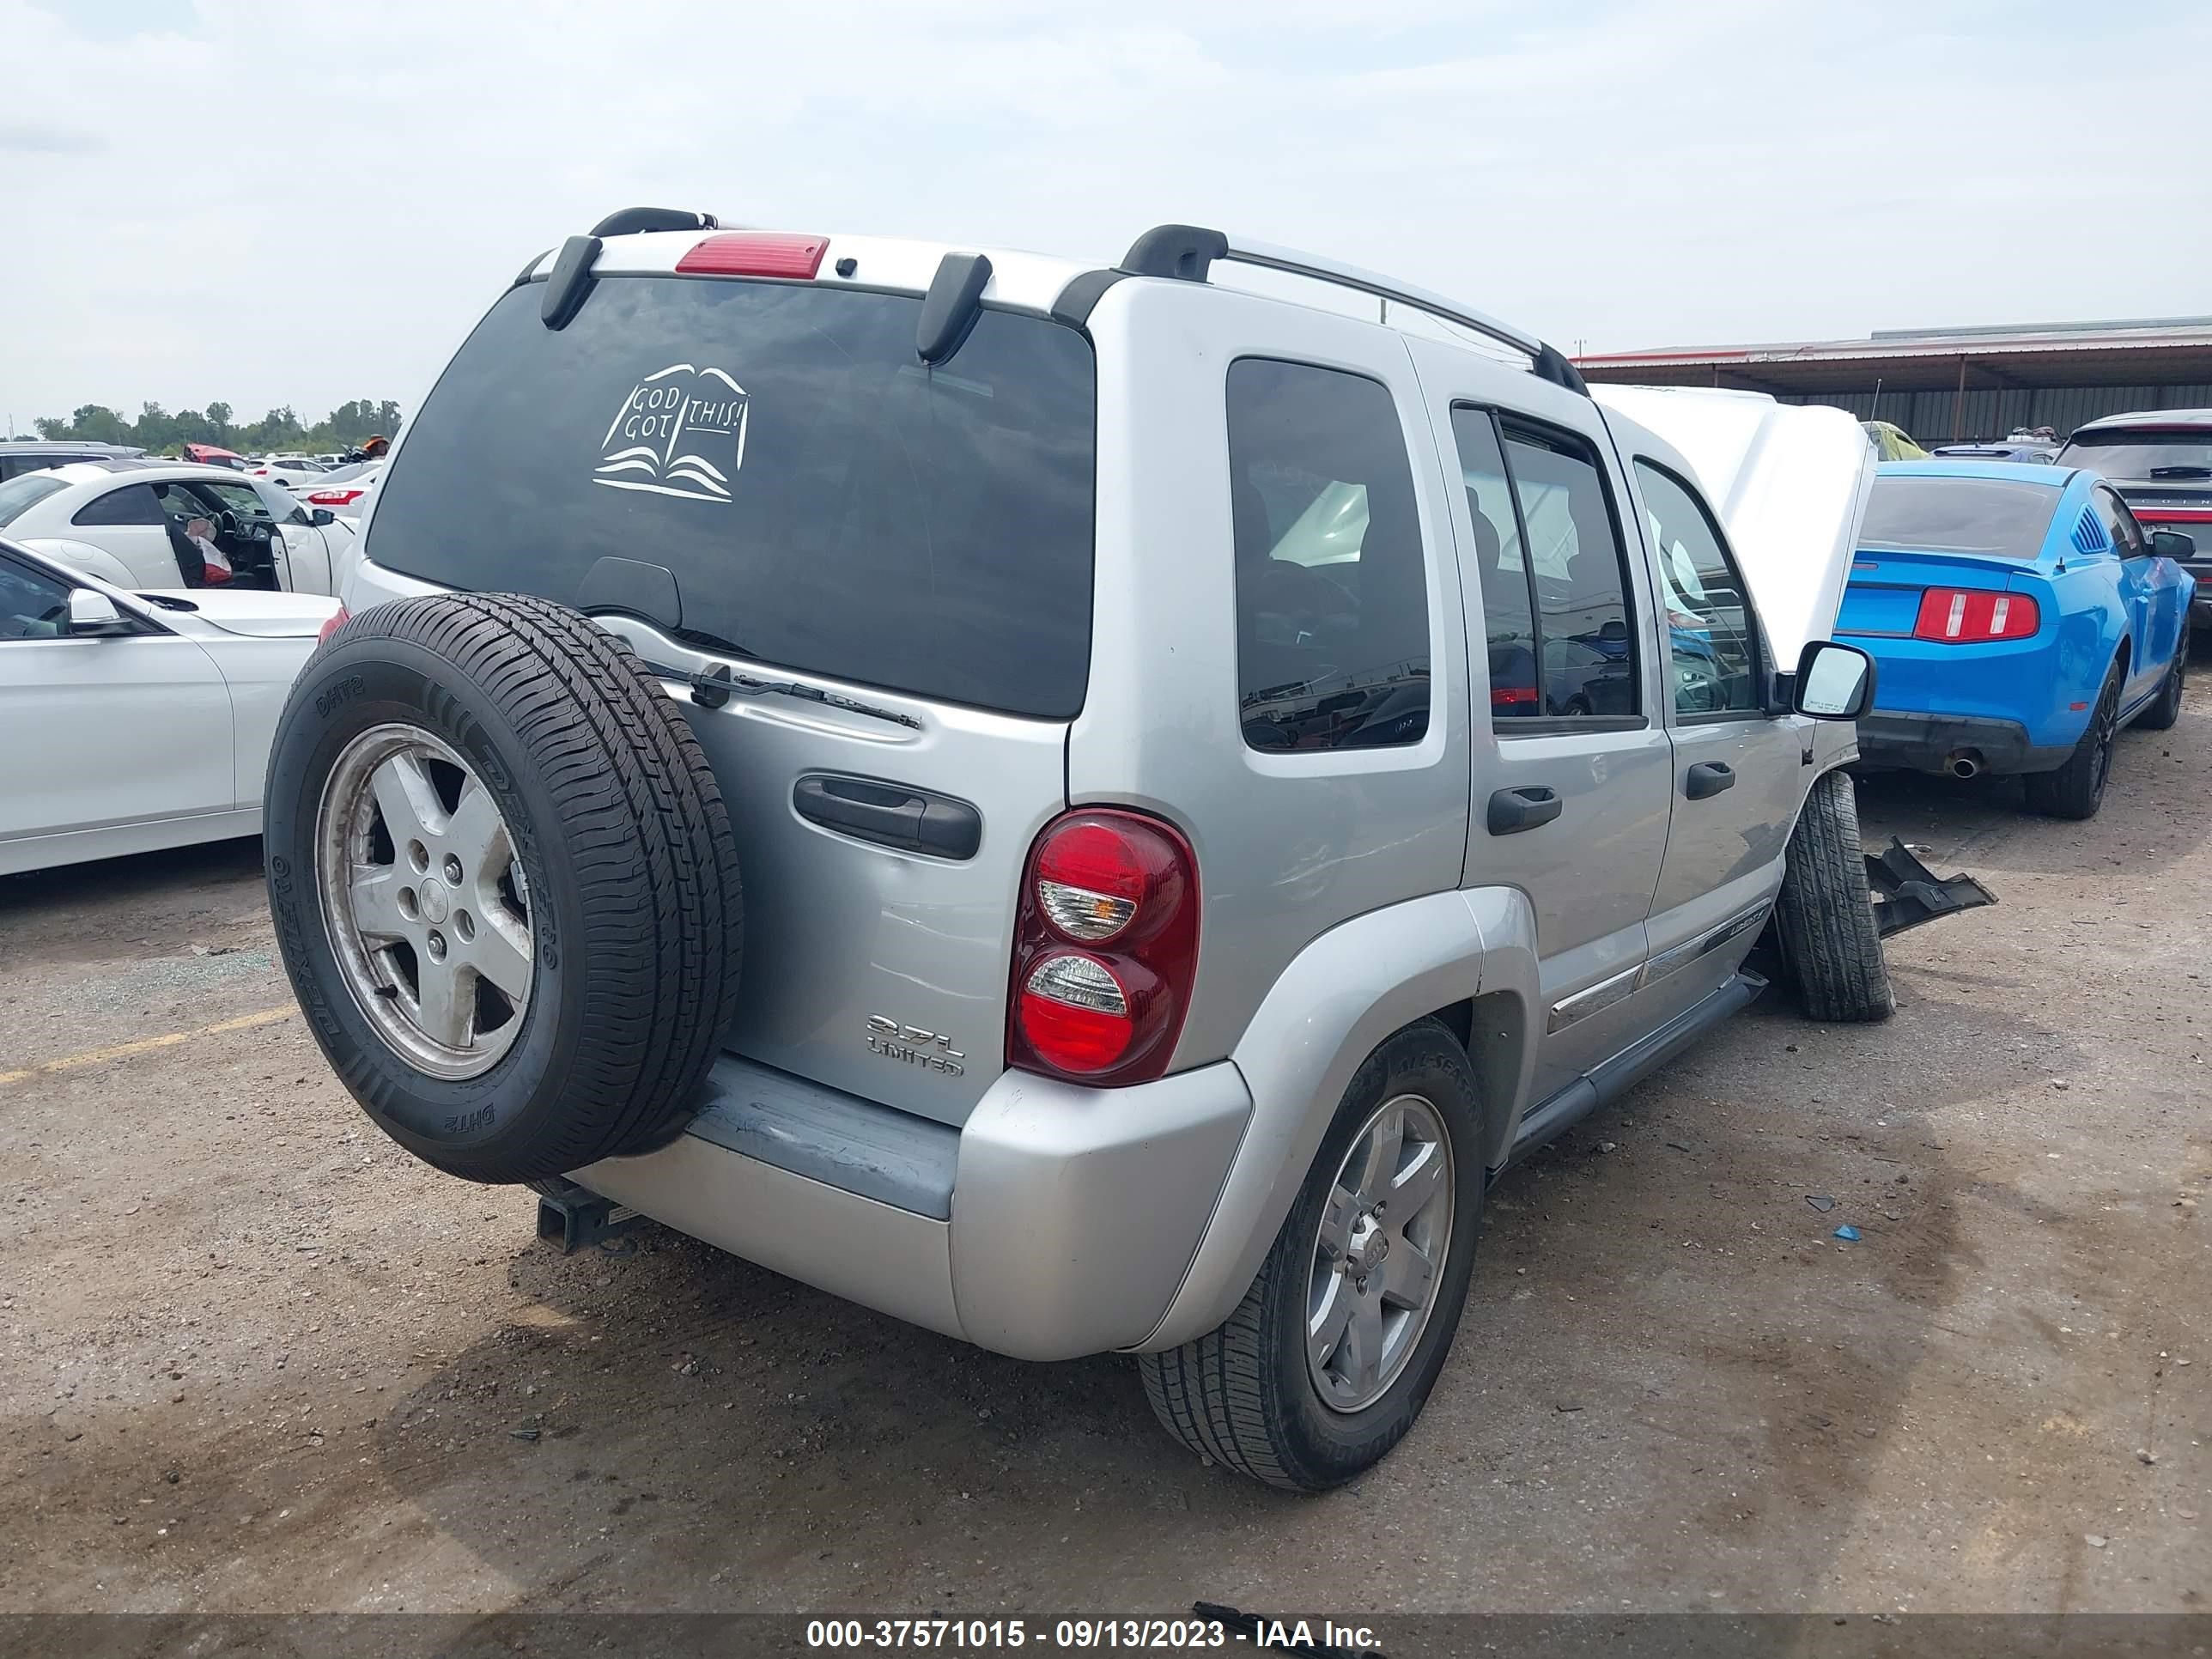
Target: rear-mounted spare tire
{"x":503,"y":882}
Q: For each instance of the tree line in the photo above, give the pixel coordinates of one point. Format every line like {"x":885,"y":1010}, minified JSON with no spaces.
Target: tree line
{"x":157,"y":431}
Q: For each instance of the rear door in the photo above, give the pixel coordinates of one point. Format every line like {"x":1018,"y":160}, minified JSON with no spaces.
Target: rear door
{"x":1739,"y":770}
{"x":1559,"y":625}
{"x":102,"y":732}
{"x":890,"y":563}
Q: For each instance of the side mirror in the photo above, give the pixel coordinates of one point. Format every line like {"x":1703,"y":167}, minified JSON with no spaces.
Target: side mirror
{"x":1834,"y":682}
{"x":321,"y":516}
{"x":92,"y":615}
{"x":2173,"y":545}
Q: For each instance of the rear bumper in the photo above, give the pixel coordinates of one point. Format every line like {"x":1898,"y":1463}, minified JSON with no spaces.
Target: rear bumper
{"x":1059,"y":1221}
{"x":1929,"y":742}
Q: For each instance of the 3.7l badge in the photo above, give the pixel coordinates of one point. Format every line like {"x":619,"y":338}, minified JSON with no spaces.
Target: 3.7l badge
{"x":912,"y":1045}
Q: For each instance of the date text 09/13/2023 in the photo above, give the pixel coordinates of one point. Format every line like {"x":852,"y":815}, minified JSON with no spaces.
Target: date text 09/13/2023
{"x":956,"y":1634}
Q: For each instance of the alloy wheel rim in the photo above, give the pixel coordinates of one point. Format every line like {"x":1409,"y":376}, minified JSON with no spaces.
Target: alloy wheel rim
{"x":424,"y":901}
{"x":1379,"y":1254}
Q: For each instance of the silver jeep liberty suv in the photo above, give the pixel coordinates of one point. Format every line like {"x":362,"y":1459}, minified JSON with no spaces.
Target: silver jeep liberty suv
{"x":1086,"y":808}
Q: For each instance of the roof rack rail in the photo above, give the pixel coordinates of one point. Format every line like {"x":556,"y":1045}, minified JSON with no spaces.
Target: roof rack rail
{"x":628,"y":221}
{"x":1184,"y":252}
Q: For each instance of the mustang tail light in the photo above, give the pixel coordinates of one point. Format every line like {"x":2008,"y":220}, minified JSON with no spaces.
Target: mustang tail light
{"x":335,"y":497}
{"x":1105,"y":948}
{"x":1969,"y":616}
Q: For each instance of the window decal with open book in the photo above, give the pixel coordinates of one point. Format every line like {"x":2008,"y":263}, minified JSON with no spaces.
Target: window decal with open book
{"x":680,"y":432}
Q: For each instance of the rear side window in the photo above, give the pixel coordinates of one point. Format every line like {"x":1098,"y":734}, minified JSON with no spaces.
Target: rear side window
{"x":1507,"y":604}
{"x":1577,"y":573}
{"x":2119,"y":523}
{"x":825,"y":501}
{"x":1332,"y":589}
{"x":1713,"y":639}
{"x":134,"y":504}
{"x":17,"y":494}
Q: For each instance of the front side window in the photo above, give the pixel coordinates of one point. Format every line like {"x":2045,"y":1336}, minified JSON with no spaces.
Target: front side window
{"x":1332,"y":586}
{"x":33,"y":605}
{"x":132,"y":504}
{"x":1713,"y":638}
{"x":1576,"y":572}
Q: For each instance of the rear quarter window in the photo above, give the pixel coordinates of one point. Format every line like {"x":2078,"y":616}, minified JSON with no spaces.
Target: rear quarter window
{"x":826,"y":502}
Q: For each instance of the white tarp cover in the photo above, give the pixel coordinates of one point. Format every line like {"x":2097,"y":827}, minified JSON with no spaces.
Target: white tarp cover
{"x":1789,"y":482}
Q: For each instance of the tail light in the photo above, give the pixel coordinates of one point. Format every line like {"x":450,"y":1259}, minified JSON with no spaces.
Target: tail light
{"x":335,"y":497}
{"x":754,"y":253}
{"x":1105,"y":948}
{"x":1968,"y":615}
{"x":332,"y":623}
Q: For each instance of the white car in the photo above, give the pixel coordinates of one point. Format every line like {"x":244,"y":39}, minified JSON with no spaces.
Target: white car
{"x":286,"y":472}
{"x":124,"y":521}
{"x":343,"y":489}
{"x":136,"y":720}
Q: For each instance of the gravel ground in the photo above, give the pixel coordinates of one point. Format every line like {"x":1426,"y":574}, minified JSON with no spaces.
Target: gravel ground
{"x":254,"y":1357}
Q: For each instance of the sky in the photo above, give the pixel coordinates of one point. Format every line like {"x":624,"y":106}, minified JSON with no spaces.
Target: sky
{"x":302,"y":203}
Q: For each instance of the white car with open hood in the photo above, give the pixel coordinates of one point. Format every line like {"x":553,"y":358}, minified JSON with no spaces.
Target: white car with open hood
{"x":137,"y":719}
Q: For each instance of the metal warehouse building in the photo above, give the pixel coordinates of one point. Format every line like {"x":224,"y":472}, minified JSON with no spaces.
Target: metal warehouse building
{"x":1946,"y":385}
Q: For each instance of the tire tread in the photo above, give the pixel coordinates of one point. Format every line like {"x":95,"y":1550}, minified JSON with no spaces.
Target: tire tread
{"x":1825,"y":911}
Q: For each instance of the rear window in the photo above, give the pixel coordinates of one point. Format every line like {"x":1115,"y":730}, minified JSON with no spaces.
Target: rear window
{"x":17,"y":494}
{"x":826,"y":502}
{"x":1959,"y":515}
{"x":2183,"y":457}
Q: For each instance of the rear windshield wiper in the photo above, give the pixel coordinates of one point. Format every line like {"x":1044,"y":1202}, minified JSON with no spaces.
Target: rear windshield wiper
{"x":713,"y":687}
{"x":2181,"y":472}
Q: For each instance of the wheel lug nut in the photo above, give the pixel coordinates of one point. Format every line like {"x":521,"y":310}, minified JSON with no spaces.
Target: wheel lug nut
{"x":452,"y":869}
{"x":437,"y":945}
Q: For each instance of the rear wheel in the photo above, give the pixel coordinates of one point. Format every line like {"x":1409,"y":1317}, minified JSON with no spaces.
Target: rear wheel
{"x":504,"y":884}
{"x":2166,"y":707}
{"x":1326,"y":1363}
{"x":1825,"y":913}
{"x":2076,"y":789}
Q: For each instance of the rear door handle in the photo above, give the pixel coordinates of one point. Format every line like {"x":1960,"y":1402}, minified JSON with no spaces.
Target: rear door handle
{"x":1512,"y":810}
{"x":1708,"y":778}
{"x":889,"y":815}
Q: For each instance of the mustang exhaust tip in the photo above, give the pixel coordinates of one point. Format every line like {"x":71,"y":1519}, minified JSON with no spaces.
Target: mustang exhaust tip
{"x":1963,"y":763}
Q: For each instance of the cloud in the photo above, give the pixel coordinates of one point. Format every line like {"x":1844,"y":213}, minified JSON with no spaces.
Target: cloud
{"x":18,"y":138}
{"x":303,"y":202}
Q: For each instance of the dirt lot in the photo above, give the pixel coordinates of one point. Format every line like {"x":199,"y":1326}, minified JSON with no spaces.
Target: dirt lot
{"x":254,"y":1358}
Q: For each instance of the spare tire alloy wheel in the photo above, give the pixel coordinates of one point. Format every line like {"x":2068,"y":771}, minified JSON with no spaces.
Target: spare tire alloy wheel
{"x":504,"y":884}
{"x":428,"y":909}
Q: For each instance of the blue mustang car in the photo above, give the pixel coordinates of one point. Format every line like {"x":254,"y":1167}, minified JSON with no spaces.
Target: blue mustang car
{"x":2020,"y":616}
